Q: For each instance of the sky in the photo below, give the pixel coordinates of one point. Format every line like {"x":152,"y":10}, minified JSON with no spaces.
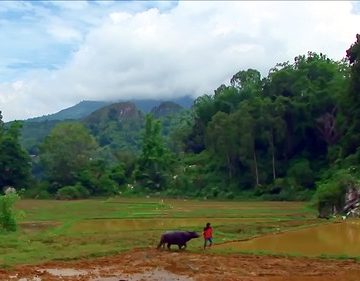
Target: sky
{"x":56,"y":54}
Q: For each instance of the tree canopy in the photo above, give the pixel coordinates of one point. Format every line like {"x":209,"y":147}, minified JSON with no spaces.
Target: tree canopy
{"x":15,"y":162}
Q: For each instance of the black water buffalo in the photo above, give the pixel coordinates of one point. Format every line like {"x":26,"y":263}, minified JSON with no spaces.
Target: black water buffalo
{"x":176,"y":237}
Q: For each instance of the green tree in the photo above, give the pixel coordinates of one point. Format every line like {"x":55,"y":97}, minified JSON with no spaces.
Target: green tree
{"x":178,"y":135}
{"x":246,"y":130}
{"x":351,"y":102}
{"x":309,"y":90}
{"x":248,"y":82}
{"x":97,"y":178}
{"x":66,"y":152}
{"x":221,"y":140}
{"x":154,"y":162}
{"x":15,"y":163}
{"x":272,"y":129}
{"x":204,"y":109}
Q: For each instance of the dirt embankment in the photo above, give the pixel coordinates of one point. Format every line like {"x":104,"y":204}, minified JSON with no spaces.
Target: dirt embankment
{"x":156,"y":265}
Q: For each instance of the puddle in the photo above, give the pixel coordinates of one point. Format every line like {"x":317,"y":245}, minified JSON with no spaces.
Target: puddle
{"x":37,"y":226}
{"x":65,"y":272}
{"x":153,"y":275}
{"x":330,"y":239}
{"x":110,"y":225}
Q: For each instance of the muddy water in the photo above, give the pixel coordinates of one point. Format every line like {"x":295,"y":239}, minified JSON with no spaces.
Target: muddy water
{"x":30,"y":227}
{"x":111,"y":225}
{"x":330,"y":239}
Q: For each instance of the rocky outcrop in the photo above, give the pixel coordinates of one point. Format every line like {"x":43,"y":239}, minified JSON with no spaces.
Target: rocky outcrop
{"x":115,"y":112}
{"x":352,"y":202}
{"x":9,"y":189}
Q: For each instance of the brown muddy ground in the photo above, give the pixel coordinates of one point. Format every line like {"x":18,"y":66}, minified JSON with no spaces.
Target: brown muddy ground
{"x":151,"y":265}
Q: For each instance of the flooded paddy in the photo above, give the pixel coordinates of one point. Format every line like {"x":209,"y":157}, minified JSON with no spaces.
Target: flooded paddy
{"x":333,"y":239}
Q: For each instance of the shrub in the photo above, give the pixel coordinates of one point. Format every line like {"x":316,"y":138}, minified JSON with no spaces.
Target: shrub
{"x":302,"y":173}
{"x":38,"y":191}
{"x":43,"y":194}
{"x":118,"y":174}
{"x":84,"y":193}
{"x":7,"y":214}
{"x":275,"y":188}
{"x":107,"y":186}
{"x":229,"y":195}
{"x":330,"y":192}
{"x":72,"y":192}
{"x":98,"y":181}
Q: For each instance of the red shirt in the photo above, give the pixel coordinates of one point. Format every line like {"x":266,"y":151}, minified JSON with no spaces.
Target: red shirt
{"x":207,"y":232}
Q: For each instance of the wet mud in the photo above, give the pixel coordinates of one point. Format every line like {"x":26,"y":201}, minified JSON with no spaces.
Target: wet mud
{"x":151,"y":264}
{"x":36,"y":226}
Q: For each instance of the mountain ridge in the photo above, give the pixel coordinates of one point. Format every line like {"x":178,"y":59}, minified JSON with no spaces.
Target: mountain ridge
{"x":86,"y":107}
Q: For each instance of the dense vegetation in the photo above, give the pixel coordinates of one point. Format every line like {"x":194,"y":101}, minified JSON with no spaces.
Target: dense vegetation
{"x":278,"y":137}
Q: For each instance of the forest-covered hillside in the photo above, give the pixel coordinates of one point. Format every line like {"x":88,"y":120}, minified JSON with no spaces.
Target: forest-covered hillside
{"x":292,"y":135}
{"x":34,"y":130}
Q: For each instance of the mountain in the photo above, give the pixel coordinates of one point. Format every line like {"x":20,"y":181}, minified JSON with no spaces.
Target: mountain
{"x":119,"y":126}
{"x":146,"y":105}
{"x":77,"y":111}
{"x":85,"y":108}
{"x":114,"y":112}
{"x":33,"y":133}
{"x":165,"y":109}
{"x":116,"y":126}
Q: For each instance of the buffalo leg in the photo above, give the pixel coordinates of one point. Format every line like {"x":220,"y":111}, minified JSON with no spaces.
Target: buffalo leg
{"x":161,"y":244}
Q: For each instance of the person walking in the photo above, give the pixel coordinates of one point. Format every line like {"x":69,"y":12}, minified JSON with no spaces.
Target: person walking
{"x":207,"y":233}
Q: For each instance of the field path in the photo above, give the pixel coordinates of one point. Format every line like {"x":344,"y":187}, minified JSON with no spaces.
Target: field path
{"x":151,"y":265}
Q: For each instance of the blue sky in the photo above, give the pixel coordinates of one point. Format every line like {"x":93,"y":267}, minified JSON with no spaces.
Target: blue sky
{"x":30,"y":42}
{"x":55,"y":54}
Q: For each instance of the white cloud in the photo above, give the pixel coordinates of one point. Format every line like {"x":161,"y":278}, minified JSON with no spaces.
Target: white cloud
{"x":190,"y":49}
{"x":64,"y":33}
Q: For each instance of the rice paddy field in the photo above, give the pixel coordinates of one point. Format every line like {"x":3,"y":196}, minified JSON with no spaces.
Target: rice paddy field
{"x":115,"y":239}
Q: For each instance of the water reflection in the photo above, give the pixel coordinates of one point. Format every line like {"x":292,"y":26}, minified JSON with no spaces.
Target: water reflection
{"x":330,"y":239}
